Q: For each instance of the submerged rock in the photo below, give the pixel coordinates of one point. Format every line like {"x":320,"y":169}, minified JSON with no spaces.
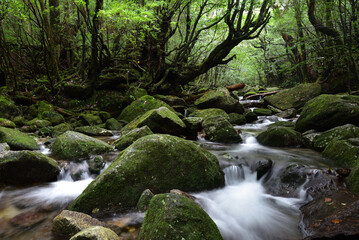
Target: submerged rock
{"x":17,"y":140}
{"x":328,"y":111}
{"x":96,"y":233}
{"x":219,"y":129}
{"x":127,"y":139}
{"x":157,"y":162}
{"x":173,"y":216}
{"x":27,"y":167}
{"x":28,"y":219}
{"x":73,"y":145}
{"x":280,"y":137}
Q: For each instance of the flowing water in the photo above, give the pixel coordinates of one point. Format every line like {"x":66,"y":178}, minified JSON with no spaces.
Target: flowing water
{"x":244,"y":209}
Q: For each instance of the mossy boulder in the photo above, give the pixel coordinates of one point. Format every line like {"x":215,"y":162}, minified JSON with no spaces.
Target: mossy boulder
{"x":144,"y":201}
{"x":6,"y":123}
{"x":96,"y":233}
{"x":220,"y":98}
{"x":280,"y":137}
{"x":237,"y":119}
{"x":338,"y":133}
{"x":262,"y":112}
{"x":90,"y":119}
{"x":250,"y":117}
{"x":8,"y":109}
{"x":171,"y":100}
{"x":210,"y":112}
{"x":19,"y":121}
{"x":127,"y":139}
{"x":294,"y":97}
{"x":60,"y":129}
{"x":17,"y":140}
{"x":140,"y":107}
{"x":289,"y":113}
{"x":343,"y":152}
{"x":113,"y":124}
{"x":102,"y":114}
{"x":36,"y":124}
{"x":94,"y":131}
{"x":54,"y":117}
{"x":219,"y":129}
{"x":161,"y":120}
{"x":157,"y":162}
{"x":328,"y":111}
{"x":173,"y":216}
{"x":73,"y":145}
{"x":27,"y":167}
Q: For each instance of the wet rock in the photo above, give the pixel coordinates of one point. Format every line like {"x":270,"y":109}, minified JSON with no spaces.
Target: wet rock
{"x":237,"y":119}
{"x":161,"y":120}
{"x":72,"y":145}
{"x":94,"y":131}
{"x":96,"y":233}
{"x":328,"y":111}
{"x":127,"y":139}
{"x":141,"y":106}
{"x":262,"y":167}
{"x":309,"y":137}
{"x":210,"y":112}
{"x":280,"y":137}
{"x":221,"y":99}
{"x":113,"y":124}
{"x":17,"y":140}
{"x":338,"y":133}
{"x":250,"y":117}
{"x":289,"y":113}
{"x":96,"y":164}
{"x":144,"y":200}
{"x":90,"y":119}
{"x":26,"y":167}
{"x":262,"y":112}
{"x":145,"y":165}
{"x":6,"y":123}
{"x":28,"y":219}
{"x":294,"y":97}
{"x":219,"y":129}
{"x":172,"y":216}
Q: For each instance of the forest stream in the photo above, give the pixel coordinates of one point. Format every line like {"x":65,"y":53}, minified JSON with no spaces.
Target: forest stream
{"x":246,"y":208}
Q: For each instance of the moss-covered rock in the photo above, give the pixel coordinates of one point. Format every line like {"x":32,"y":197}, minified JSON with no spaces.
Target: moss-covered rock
{"x":73,"y":145}
{"x":94,"y":131}
{"x":8,"y":109}
{"x":157,"y":162}
{"x":36,"y":124}
{"x":237,"y":119}
{"x":161,"y":120}
{"x":140,"y":107}
{"x":172,"y":216}
{"x":17,"y":140}
{"x":113,"y":124}
{"x":289,"y":113}
{"x":144,"y":201}
{"x":262,"y":112}
{"x":282,"y":124}
{"x":96,"y":233}
{"x":127,"y":139}
{"x":338,"y":133}
{"x":343,"y":152}
{"x":294,"y":97}
{"x":6,"y":123}
{"x":54,"y":117}
{"x":219,"y":129}
{"x":171,"y":100}
{"x":19,"y":121}
{"x":96,"y":164}
{"x":45,"y":131}
{"x":210,"y":112}
{"x":280,"y":137}
{"x":27,"y":167}
{"x":193,"y":126}
{"x":60,"y":129}
{"x":102,"y":114}
{"x":353,"y":180}
{"x":43,"y":106}
{"x":220,"y":98}
{"x":90,"y":119}
{"x":250,"y":116}
{"x":328,"y":111}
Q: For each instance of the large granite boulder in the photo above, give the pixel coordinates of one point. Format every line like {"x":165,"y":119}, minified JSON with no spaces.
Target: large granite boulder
{"x":140,"y":107}
{"x":127,"y":139}
{"x":219,"y":129}
{"x":173,"y":216}
{"x":17,"y":140}
{"x":328,"y":111}
{"x":280,"y":137}
{"x":27,"y":167}
{"x":220,"y":98}
{"x":73,"y":145}
{"x":161,"y":120}
{"x":157,"y":162}
{"x":294,"y":97}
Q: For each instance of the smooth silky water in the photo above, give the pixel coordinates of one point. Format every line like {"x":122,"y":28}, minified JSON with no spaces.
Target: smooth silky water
{"x":243,"y":209}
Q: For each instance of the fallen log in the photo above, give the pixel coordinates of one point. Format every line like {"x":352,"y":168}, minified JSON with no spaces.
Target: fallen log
{"x":260,"y":95}
{"x":235,"y":87}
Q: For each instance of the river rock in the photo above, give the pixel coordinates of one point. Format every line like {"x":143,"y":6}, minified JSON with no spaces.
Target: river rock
{"x":338,"y":133}
{"x":8,"y":109}
{"x":157,"y":162}
{"x":173,"y":216}
{"x":343,"y":152}
{"x":69,"y":223}
{"x":328,"y":111}
{"x":53,"y":117}
{"x":6,"y":123}
{"x":237,"y":119}
{"x":94,"y":131}
{"x":140,"y":107}
{"x":96,"y":164}
{"x":193,"y":126}
{"x":90,"y":119}
{"x":219,"y":129}
{"x":220,"y":98}
{"x":113,"y":124}
{"x":262,"y":112}
{"x":36,"y":124}
{"x":60,"y":129}
{"x":250,"y":117}
{"x":144,"y":201}
{"x":17,"y":140}
{"x":280,"y":137}
{"x":309,"y":137}
{"x":171,"y":100}
{"x":282,"y":124}
{"x":73,"y":145}
{"x":210,"y":112}
{"x":294,"y":97}
{"x":289,"y":113}
{"x":96,"y":233}
{"x":127,"y":139}
{"x":26,"y":167}
{"x":28,"y":219}
{"x":161,"y":120}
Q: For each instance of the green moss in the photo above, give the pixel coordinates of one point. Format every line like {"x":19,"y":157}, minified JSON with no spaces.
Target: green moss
{"x":343,"y":152}
{"x":144,"y":200}
{"x":17,"y":140}
{"x":210,"y":112}
{"x":262,"y":112}
{"x":60,"y":129}
{"x":53,"y":117}
{"x":280,"y":137}
{"x":93,"y":131}
{"x":113,"y":124}
{"x":6,"y":123}
{"x":172,"y":216}
{"x":35,"y":124}
{"x":237,"y":119}
{"x":126,"y":140}
{"x":90,"y":119}
{"x":219,"y":129}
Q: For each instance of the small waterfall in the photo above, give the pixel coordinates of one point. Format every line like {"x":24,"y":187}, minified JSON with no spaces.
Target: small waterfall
{"x":44,"y":149}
